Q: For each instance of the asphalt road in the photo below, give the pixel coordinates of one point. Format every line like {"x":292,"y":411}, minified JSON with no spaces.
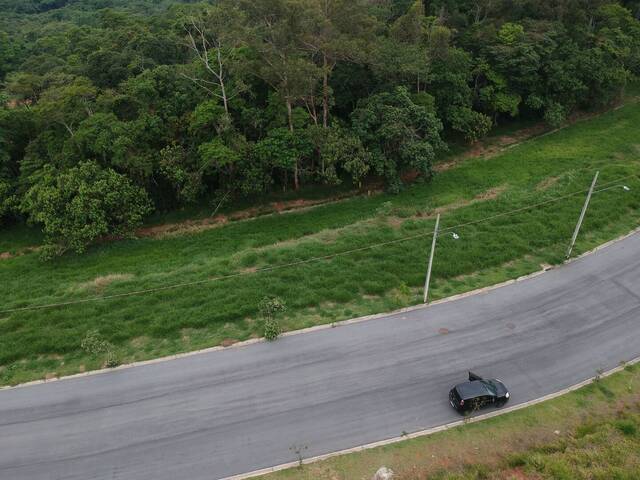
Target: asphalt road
{"x":217,"y":414}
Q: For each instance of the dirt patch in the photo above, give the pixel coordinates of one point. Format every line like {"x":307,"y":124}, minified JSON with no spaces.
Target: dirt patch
{"x":226,"y":343}
{"x":547,"y":183}
{"x":188,"y":226}
{"x":491,"y":194}
{"x":195,"y":226}
{"x":98,"y":284}
{"x":493,"y":146}
{"x":395,"y":222}
{"x":21,"y":252}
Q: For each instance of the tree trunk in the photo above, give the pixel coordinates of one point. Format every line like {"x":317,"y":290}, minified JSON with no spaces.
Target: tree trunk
{"x":289,"y":114}
{"x":223,"y":88}
{"x":325,"y":92}
{"x":225,"y":101}
{"x":296,"y":180}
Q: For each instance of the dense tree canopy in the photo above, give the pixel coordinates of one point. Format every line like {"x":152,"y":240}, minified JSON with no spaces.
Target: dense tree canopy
{"x":179,"y":101}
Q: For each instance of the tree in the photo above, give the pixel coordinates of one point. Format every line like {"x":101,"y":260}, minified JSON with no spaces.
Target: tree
{"x":281,"y":62}
{"x":450,"y":83}
{"x":78,"y":206}
{"x":218,"y":37}
{"x":283,"y":150}
{"x":342,"y":149}
{"x":6,"y":54}
{"x":341,"y":31}
{"x":67,"y":102}
{"x":492,"y":92}
{"x":182,"y":173}
{"x":400,"y":134}
{"x":7,"y":178}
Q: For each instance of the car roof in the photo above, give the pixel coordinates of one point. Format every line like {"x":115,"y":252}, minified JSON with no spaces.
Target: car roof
{"x":476,"y":388}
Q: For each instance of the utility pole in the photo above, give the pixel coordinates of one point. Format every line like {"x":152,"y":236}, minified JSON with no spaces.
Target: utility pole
{"x":433,"y":250}
{"x":582,"y":214}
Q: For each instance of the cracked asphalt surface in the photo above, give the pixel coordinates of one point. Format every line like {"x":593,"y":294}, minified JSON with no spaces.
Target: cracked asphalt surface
{"x":217,"y":414}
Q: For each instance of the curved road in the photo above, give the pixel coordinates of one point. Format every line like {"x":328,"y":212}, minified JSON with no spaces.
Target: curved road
{"x":217,"y":414}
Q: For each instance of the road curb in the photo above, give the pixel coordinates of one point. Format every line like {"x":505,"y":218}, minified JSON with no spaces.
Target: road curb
{"x":431,"y":431}
{"x":326,"y":326}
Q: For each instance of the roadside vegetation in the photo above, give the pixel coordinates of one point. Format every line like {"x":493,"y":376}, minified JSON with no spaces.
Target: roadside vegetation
{"x":48,"y":342}
{"x":592,"y":433}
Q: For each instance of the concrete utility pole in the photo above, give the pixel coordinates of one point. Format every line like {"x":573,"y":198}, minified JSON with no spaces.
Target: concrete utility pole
{"x":582,"y":214}
{"x":433,"y":250}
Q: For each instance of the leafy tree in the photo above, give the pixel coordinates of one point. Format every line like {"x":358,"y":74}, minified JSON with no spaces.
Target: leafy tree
{"x":218,"y":37}
{"x":400,"y":134}
{"x":182,"y":173}
{"x":343,"y":150}
{"x":67,"y":102}
{"x":283,"y":150}
{"x":83,"y":204}
{"x":280,"y":27}
{"x":7,"y":54}
{"x":493,"y":93}
{"x":341,"y":32}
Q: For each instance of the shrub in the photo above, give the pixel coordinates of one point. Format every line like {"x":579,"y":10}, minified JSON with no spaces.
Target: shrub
{"x":80,"y":205}
{"x":270,"y":307}
{"x":94,"y":344}
{"x":112,"y":360}
{"x":272,"y":329}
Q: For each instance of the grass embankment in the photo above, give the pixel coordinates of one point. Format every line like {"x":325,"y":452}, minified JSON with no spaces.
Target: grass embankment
{"x":592,"y":433}
{"x":48,"y":342}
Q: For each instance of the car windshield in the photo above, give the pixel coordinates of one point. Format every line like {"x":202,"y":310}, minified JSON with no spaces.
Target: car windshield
{"x":490,"y":386}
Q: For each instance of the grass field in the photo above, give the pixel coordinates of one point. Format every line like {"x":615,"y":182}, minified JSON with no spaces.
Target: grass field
{"x":590,"y":434}
{"x":44,"y":343}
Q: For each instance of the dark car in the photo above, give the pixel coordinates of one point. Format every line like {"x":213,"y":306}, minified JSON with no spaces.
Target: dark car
{"x":478,"y":393}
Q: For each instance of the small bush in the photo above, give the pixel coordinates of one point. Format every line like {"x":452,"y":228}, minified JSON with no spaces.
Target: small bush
{"x":403,"y":293}
{"x":94,"y":344}
{"x":272,"y":329}
{"x":270,"y":307}
{"x":112,"y":360}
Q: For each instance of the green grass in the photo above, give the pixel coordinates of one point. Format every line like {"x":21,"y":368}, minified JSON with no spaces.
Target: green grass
{"x":582,"y":435}
{"x":36,"y":343}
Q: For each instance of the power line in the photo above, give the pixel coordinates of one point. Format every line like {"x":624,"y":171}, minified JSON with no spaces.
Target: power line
{"x":313,"y":259}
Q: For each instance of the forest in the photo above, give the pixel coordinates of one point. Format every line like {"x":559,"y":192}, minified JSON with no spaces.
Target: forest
{"x":111,"y":110}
